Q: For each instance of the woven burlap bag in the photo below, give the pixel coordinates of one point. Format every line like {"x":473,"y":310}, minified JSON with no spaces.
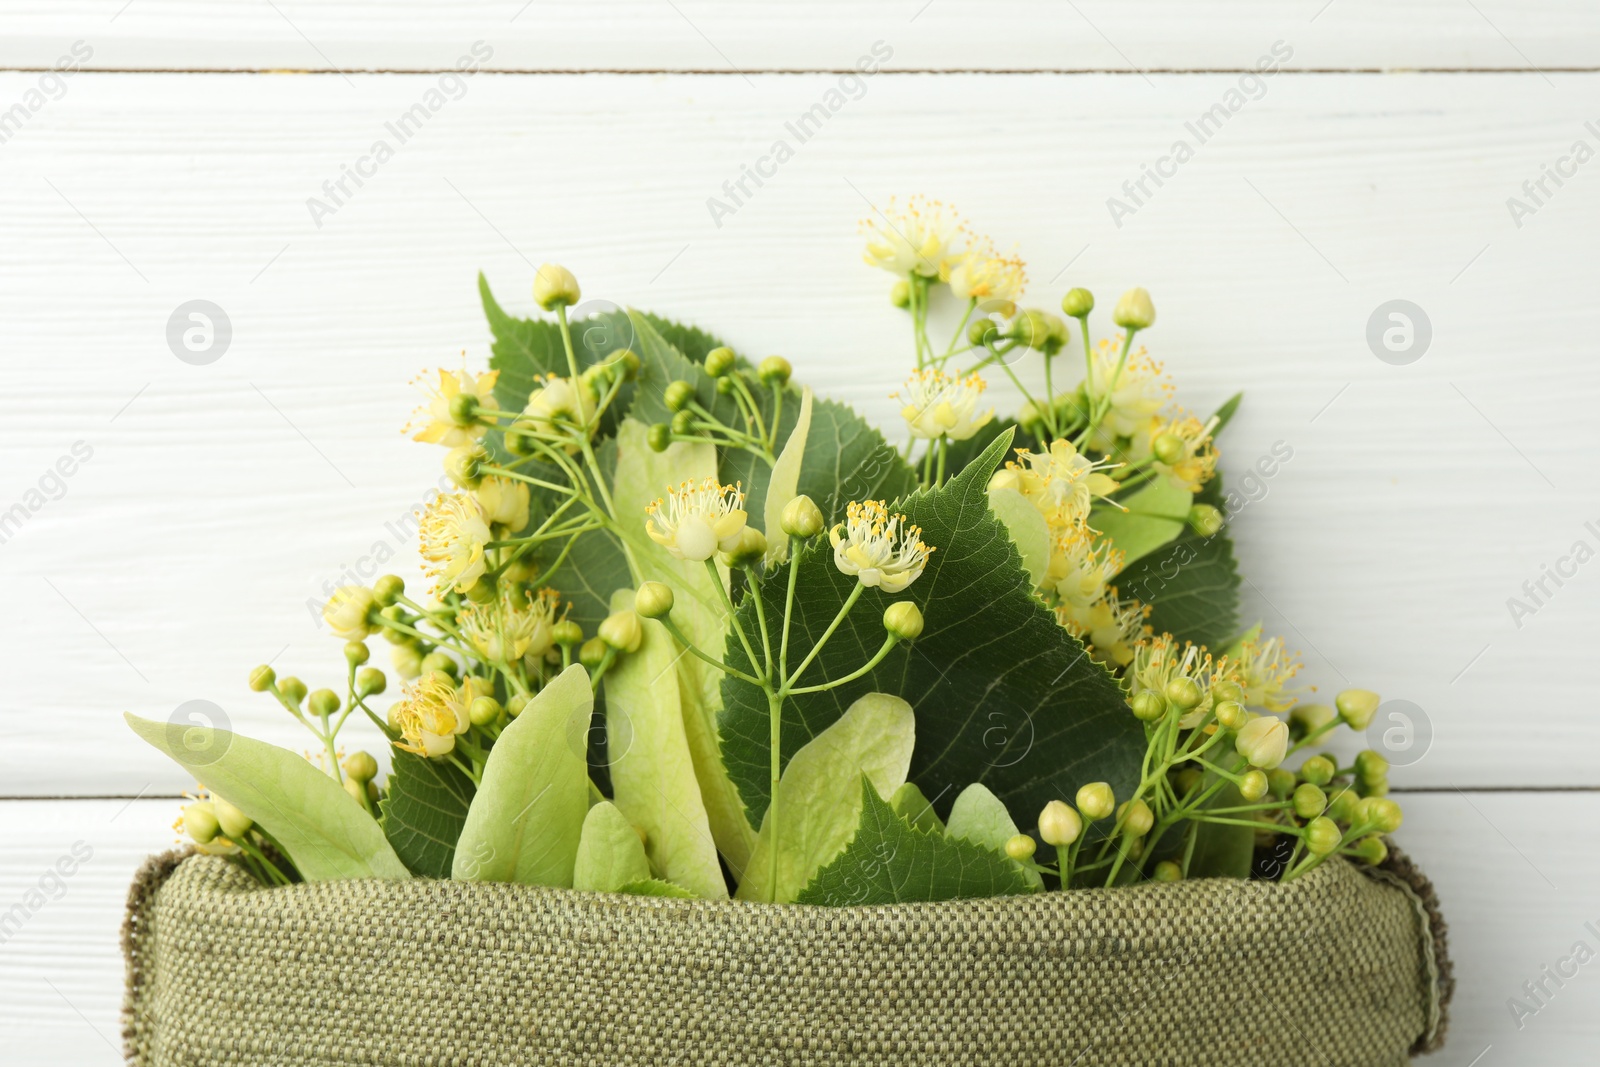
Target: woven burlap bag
{"x":1340,"y":968}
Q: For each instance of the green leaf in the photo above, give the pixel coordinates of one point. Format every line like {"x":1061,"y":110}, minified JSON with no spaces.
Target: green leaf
{"x":1028,"y":530}
{"x":1150,"y":517}
{"x":425,"y":805}
{"x":1191,"y":584}
{"x":525,"y":822}
{"x":961,"y":453}
{"x":691,"y":341}
{"x":1223,"y":851}
{"x":1003,"y":695}
{"x":610,"y":854}
{"x":846,"y":459}
{"x":979,"y":817}
{"x":889,"y":861}
{"x":327,"y":834}
{"x":652,"y":771}
{"x":1224,"y":414}
{"x":916,"y":809}
{"x":655,"y":887}
{"x":785,"y":483}
{"x":819,"y":795}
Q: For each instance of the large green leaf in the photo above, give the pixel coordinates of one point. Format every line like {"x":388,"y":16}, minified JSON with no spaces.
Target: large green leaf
{"x":327,"y":834}
{"x":979,"y":817}
{"x":1003,"y":695}
{"x":527,"y":817}
{"x":610,"y":854}
{"x":1191,"y":584}
{"x":819,"y":795}
{"x":889,"y":861}
{"x":424,"y":807}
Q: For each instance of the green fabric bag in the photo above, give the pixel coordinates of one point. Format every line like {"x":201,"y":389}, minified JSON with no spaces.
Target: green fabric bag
{"x":1343,"y":968}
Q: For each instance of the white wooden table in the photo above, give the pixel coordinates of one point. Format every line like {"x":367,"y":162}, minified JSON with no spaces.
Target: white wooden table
{"x":177,"y":163}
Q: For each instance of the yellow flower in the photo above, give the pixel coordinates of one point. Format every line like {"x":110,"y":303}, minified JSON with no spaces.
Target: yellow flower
{"x":1080,"y":566}
{"x":879,"y":549}
{"x":447,"y":419}
{"x":431,"y":715}
{"x":347,"y":612}
{"x":453,"y":534}
{"x":1264,"y":670}
{"x":1111,"y":626}
{"x":511,"y":626}
{"x":504,"y":501}
{"x":1140,"y":392}
{"x":924,"y":238}
{"x":698,"y":519}
{"x":1160,"y":661}
{"x":557,"y":405}
{"x":938,"y":405}
{"x":1184,"y":452}
{"x":1061,"y":483}
{"x":982,"y":275}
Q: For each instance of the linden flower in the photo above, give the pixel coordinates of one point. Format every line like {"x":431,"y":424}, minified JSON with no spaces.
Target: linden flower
{"x":511,"y":627}
{"x":431,"y":715}
{"x":1061,"y":483}
{"x":1264,"y":671}
{"x":1159,"y":662}
{"x":1141,"y":391}
{"x":698,"y":519}
{"x":503,"y":501}
{"x":347,"y":612}
{"x":986,"y":276}
{"x":924,"y":238}
{"x":937,"y":405}
{"x":558,"y":401}
{"x":440,"y":421}
{"x":1111,"y":626}
{"x":879,"y":549}
{"x":1184,"y":452}
{"x":1080,"y":567}
{"x":453,"y":537}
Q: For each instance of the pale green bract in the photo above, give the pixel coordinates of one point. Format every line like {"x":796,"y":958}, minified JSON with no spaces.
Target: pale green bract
{"x":979,"y":817}
{"x":1156,"y":514}
{"x":785,"y":483}
{"x":610,"y":854}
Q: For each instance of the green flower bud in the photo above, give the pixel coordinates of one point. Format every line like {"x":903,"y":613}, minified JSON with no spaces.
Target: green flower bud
{"x":1147,"y":705}
{"x":1322,"y":836}
{"x":1231,"y":714}
{"x":1305,"y":719}
{"x":1077,"y":303}
{"x":1134,"y":310}
{"x":900,"y":294}
{"x":464,"y":409}
{"x":407,"y":660}
{"x":720,"y":361}
{"x":592,"y":653}
{"x":262,"y":677}
{"x":801,"y":517}
{"x":1020,"y":847}
{"x":1371,"y":850}
{"x":775,"y":370}
{"x":361,"y":766}
{"x":1253,"y":786}
{"x":1280,"y":783}
{"x":982,"y":331}
{"x":627,"y":361}
{"x":1318,"y":770}
{"x":1096,"y":800}
{"x":356,"y":653}
{"x":1188,"y":779}
{"x":677,"y":396}
{"x":1205,"y":520}
{"x":370,"y":682}
{"x":660,"y":437}
{"x":438,"y":661}
{"x":233,"y":822}
{"x":683,"y":424}
{"x":1356,"y":707}
{"x":200,"y":822}
{"x":1136,"y":817}
{"x":727,"y":384}
{"x":1379,"y":788}
{"x":1379,"y":813}
{"x":1226,"y":690}
{"x":751,"y":547}
{"x":903,"y":619}
{"x":1168,"y":447}
{"x":323,"y":702}
{"x":396,"y":613}
{"x":1264,"y":741}
{"x":1033,"y":329}
{"x":1167,"y":871}
{"x":1309,"y":801}
{"x":515,"y":705}
{"x":464,"y":465}
{"x":566,"y":633}
{"x":554,"y":286}
{"x":622,"y":631}
{"x":1185,"y":693}
{"x":483,"y":711}
{"x":1059,"y":825}
{"x":1371,"y":766}
{"x":292,"y":689}
{"x":653,"y":600}
{"x":1343,"y":805}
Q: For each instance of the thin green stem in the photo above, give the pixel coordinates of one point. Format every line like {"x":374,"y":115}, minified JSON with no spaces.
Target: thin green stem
{"x":733,"y":615}
{"x":849,"y":602}
{"x":694,"y":650}
{"x":889,"y":643}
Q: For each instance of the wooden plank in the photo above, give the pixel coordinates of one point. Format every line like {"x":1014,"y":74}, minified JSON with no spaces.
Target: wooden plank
{"x":1516,"y":893}
{"x":723,"y":37}
{"x":221,"y":499}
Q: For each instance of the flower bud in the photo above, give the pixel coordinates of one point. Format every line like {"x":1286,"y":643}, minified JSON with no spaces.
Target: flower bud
{"x":388,"y":589}
{"x":1184,"y":692}
{"x":1147,"y":705}
{"x":438,"y":661}
{"x":1253,"y":786}
{"x":982,"y":332}
{"x":1096,"y":800}
{"x":1231,"y":714}
{"x":1226,"y":690}
{"x":483,"y":711}
{"x":1020,"y":847}
{"x":1343,"y":805}
{"x":1379,"y":788}
{"x":233,"y":822}
{"x":903,"y":620}
{"x":622,"y":631}
{"x":361,"y":766}
{"x":463,"y":464}
{"x":1205,"y":520}
{"x":1167,"y":871}
{"x":653,"y":600}
{"x":1263,"y":741}
{"x":1077,"y":303}
{"x":751,"y":547}
{"x":1134,"y":310}
{"x":1305,"y":719}
{"x":200,"y":822}
{"x":659,"y":437}
{"x":566,"y":633}
{"x":356,"y":653}
{"x":1322,"y":836}
{"x":1356,"y":707}
{"x":1033,"y":328}
{"x":900,"y":294}
{"x":726,"y":385}
{"x":627,"y":361}
{"x":348,"y":612}
{"x":292,"y":689}
{"x":464,"y":409}
{"x":1280,"y":783}
{"x":1309,"y":801}
{"x":1059,"y":825}
{"x":407,"y":660}
{"x":677,"y":396}
{"x":801,"y":517}
{"x":719,"y":361}
{"x":775,"y":370}
{"x":682,"y":424}
{"x":1371,"y":766}
{"x":517,"y":702}
{"x":323,"y":702}
{"x":592,"y":653}
{"x":554,"y":286}
{"x":1371,"y":850}
{"x":262,"y":677}
{"x":1379,"y":813}
{"x":1318,"y":770}
{"x":1168,"y":448}
{"x":357,"y":790}
{"x":1136,"y":817}
{"x":370,"y":682}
